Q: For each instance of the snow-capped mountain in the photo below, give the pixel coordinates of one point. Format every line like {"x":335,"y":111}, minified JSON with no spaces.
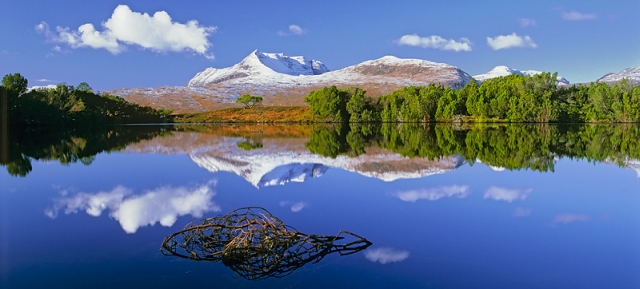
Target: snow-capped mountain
{"x":260,"y":66}
{"x":281,"y":161}
{"x":502,"y":70}
{"x":280,"y":71}
{"x":631,"y":73}
{"x":50,"y":86}
{"x":282,"y":79}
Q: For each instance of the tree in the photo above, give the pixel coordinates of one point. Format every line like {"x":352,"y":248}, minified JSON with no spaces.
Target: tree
{"x":249,"y":101}
{"x":328,"y":103}
{"x":84,"y":87}
{"x":356,"y":104}
{"x":15,"y":83}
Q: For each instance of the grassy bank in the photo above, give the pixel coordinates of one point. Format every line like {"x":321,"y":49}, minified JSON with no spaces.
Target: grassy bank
{"x":264,"y":114}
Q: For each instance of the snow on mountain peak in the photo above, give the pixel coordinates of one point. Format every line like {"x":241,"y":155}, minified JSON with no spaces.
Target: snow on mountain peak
{"x":269,"y":65}
{"x":501,"y":70}
{"x":392,"y":60}
{"x":631,"y":73}
{"x":291,"y":65}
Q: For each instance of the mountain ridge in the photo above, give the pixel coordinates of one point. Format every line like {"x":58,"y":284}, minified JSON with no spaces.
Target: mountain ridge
{"x":286,"y":80}
{"x":631,"y":73}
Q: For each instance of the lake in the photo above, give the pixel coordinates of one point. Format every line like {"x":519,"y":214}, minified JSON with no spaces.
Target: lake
{"x":484,"y":206}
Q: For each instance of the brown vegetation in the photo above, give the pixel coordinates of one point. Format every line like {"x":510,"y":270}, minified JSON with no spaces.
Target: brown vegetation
{"x":260,"y":114}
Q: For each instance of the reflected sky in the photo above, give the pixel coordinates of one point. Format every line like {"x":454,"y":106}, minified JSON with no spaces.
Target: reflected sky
{"x":386,"y":255}
{"x":161,"y":205}
{"x":467,"y":227}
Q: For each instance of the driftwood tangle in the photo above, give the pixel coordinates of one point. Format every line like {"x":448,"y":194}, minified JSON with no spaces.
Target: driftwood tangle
{"x":255,"y":244}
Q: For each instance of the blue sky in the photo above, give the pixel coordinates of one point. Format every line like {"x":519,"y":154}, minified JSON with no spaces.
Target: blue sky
{"x":50,"y":42}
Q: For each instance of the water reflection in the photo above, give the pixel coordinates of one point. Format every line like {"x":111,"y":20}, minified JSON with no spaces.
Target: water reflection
{"x":506,"y":194}
{"x":68,"y":146}
{"x":433,"y":194}
{"x":277,"y":155}
{"x":393,"y":151}
{"x":386,"y":255}
{"x":256,"y":245}
{"x":295,"y":206}
{"x":161,"y":205}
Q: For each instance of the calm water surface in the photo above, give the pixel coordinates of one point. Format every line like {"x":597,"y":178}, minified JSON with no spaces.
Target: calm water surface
{"x":450,"y":222}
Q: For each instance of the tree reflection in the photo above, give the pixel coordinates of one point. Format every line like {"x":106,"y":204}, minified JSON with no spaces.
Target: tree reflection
{"x":509,"y":146}
{"x":67,"y":146}
{"x":255,"y":244}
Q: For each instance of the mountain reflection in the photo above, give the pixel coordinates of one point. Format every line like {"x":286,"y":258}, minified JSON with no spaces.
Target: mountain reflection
{"x":268,"y":155}
{"x":256,"y":245}
{"x":162,"y":205}
{"x":394,"y":151}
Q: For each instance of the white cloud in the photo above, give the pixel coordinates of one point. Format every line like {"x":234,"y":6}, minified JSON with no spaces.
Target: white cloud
{"x":510,"y":41}
{"x":386,"y":255}
{"x":155,"y":32}
{"x":433,"y":194}
{"x":293,"y":29}
{"x":521,"y":212}
{"x":162,"y":205}
{"x":507,"y":195}
{"x":526,"y":22}
{"x":576,"y":16}
{"x":569,"y":218}
{"x":435,"y":41}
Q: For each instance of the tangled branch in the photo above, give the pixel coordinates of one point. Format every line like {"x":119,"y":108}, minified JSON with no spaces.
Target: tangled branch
{"x":255,"y":244}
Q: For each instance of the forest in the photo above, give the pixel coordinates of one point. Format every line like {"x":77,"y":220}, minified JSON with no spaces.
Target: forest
{"x":69,"y":106}
{"x":513,"y":98}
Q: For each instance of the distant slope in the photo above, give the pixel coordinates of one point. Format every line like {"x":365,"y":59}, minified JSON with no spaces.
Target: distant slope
{"x":500,"y":71}
{"x":631,"y":73}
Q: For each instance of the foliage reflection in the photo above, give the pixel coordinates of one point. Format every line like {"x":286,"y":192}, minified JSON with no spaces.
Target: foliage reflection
{"x":510,"y":146}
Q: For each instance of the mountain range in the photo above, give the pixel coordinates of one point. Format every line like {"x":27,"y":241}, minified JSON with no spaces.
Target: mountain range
{"x":286,"y":80}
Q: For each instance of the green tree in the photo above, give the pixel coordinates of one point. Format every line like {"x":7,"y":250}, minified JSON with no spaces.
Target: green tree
{"x":249,"y":101}
{"x":329,"y":103}
{"x":15,"y":83}
{"x":356,"y":105}
{"x":83,"y":86}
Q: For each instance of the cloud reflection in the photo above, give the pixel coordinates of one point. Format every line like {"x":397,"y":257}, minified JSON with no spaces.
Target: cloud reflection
{"x":162,"y":205}
{"x":386,"y":255}
{"x":433,"y":194}
{"x":506,"y":194}
{"x":569,"y":218}
{"x":295,"y":207}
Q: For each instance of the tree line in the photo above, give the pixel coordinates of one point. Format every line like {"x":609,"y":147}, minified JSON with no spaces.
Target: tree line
{"x":513,"y":98}
{"x":66,"y":105}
